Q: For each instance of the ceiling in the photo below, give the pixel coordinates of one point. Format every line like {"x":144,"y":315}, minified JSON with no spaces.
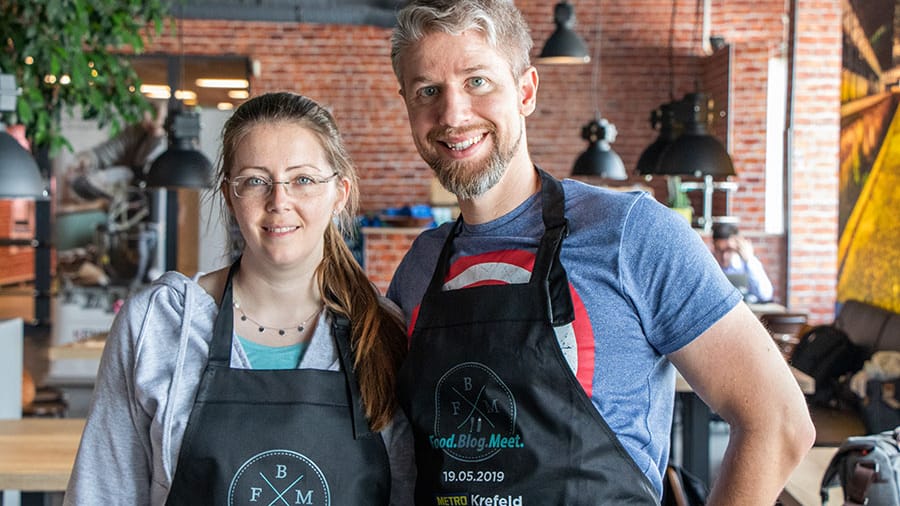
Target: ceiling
{"x":351,"y":12}
{"x":182,"y":73}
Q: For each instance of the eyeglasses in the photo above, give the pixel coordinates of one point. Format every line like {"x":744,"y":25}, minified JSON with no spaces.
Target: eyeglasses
{"x":259,"y":187}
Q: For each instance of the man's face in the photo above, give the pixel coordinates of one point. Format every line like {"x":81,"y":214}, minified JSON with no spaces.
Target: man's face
{"x":724,"y":249}
{"x":466,"y":111}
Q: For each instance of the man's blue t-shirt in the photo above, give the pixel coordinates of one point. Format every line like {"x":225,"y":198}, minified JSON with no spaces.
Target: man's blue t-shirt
{"x":643,"y":284}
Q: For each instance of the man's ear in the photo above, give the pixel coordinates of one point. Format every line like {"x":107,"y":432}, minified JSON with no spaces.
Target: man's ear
{"x":528,"y":86}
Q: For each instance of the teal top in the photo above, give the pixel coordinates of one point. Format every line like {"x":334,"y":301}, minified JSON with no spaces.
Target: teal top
{"x":273,"y":357}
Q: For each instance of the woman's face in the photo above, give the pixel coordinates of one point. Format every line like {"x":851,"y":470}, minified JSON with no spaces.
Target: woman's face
{"x":283,"y":225}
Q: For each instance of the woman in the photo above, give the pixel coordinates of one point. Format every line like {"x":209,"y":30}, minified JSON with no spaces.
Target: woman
{"x":268,"y":382}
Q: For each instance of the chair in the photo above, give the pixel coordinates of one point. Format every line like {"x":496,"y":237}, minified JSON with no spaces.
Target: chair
{"x":784,"y":329}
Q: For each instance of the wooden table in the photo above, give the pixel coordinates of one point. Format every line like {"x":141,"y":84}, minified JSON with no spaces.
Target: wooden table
{"x":802,"y":488}
{"x":91,"y":348}
{"x":37,"y":454}
{"x":761,"y":308}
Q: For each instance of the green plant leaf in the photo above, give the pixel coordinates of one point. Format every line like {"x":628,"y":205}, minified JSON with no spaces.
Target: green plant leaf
{"x":64,"y":37}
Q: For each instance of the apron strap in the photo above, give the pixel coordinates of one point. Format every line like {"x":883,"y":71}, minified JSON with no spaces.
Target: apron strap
{"x":437,"y":277}
{"x":548,"y":269}
{"x":341,"y":330}
{"x":553,"y":198}
{"x":223,"y":329}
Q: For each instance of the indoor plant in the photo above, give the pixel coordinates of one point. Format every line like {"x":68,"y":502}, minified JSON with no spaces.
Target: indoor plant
{"x":71,"y":55}
{"x":678,"y":198}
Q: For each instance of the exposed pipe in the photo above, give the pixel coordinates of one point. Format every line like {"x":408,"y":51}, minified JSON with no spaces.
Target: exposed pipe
{"x":789,"y":141}
{"x":706,"y":30}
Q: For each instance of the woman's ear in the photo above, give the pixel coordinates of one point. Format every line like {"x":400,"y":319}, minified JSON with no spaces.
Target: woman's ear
{"x":227,"y":194}
{"x":343,"y":194}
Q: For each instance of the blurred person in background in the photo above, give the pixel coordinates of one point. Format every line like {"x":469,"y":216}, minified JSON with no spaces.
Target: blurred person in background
{"x":737,"y":260}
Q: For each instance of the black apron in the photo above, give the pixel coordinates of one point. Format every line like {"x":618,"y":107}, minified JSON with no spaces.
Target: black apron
{"x":498,"y":415}
{"x":279,"y":437}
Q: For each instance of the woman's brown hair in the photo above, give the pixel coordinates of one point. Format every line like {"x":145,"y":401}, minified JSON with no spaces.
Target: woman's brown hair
{"x":377,"y":334}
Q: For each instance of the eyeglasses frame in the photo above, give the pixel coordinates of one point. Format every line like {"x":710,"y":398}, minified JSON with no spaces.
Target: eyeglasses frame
{"x":234,"y":182}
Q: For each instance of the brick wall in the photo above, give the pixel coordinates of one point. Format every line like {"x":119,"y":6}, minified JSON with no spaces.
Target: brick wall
{"x":348,"y":68}
{"x":813,"y":160}
{"x":384,"y":249}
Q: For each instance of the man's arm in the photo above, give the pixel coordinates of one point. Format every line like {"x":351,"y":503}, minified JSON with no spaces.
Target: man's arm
{"x":736,"y":369}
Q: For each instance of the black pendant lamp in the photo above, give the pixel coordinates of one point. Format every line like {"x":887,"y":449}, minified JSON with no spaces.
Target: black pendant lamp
{"x":695,"y":152}
{"x":181,"y":165}
{"x":664,"y":118}
{"x":599,"y":159}
{"x":564,"y":45}
{"x":19,"y":173}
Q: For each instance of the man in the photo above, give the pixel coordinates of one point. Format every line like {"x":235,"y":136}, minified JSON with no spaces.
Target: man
{"x":109,"y":167}
{"x":735,"y":256}
{"x":544,"y":322}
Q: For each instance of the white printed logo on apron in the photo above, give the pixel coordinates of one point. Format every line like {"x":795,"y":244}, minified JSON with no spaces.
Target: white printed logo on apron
{"x":475,"y":414}
{"x":279,"y":477}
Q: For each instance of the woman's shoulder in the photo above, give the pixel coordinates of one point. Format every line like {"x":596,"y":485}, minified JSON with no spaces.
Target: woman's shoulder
{"x":214,"y":282}
{"x":170,"y":293}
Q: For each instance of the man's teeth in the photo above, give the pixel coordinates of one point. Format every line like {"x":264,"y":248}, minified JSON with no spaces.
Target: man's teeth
{"x":459,"y":146}
{"x":280,"y":230}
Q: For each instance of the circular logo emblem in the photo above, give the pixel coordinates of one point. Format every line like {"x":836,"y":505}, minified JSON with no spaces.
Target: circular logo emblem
{"x":475,"y":413}
{"x":279,"y":477}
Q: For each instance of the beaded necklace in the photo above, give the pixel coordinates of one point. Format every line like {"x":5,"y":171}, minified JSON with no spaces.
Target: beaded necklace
{"x":262,"y":328}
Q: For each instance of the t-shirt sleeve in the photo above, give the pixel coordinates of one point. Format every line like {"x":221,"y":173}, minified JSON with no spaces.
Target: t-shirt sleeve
{"x":671,"y":277}
{"x":412,"y":276}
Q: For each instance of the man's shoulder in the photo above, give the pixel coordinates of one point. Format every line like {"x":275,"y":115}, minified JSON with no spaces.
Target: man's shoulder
{"x":582,"y":193}
{"x":432,"y":238}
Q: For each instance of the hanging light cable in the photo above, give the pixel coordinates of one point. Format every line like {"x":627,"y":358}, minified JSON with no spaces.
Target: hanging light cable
{"x":599,"y":159}
{"x":663,"y":116}
{"x":181,"y":165}
{"x":695,"y":152}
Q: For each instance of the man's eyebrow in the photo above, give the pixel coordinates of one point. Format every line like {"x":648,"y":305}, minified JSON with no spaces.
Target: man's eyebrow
{"x":476,"y":68}
{"x":466,"y":71}
{"x":419,"y":80}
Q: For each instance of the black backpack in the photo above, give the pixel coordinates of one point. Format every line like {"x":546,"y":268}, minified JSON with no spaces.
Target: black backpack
{"x":868,"y":468}
{"x":681,"y":488}
{"x":826,"y":353}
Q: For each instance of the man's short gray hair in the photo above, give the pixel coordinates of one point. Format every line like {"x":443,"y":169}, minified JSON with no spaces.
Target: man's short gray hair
{"x":500,"y":21}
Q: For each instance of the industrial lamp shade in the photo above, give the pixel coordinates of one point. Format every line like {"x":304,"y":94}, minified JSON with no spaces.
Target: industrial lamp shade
{"x":564,"y":45}
{"x":181,"y":166}
{"x":695,"y":152}
{"x":19,"y":173}
{"x":664,"y":116}
{"x":599,"y":159}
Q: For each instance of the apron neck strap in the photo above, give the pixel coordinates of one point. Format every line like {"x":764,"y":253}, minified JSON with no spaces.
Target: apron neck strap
{"x":340,"y":327}
{"x":549,"y":273}
{"x":223,"y":329}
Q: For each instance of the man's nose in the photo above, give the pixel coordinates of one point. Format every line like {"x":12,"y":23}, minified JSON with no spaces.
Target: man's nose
{"x":456,"y":108}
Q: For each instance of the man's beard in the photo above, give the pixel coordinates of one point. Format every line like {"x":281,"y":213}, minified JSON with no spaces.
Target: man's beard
{"x":468,"y":180}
